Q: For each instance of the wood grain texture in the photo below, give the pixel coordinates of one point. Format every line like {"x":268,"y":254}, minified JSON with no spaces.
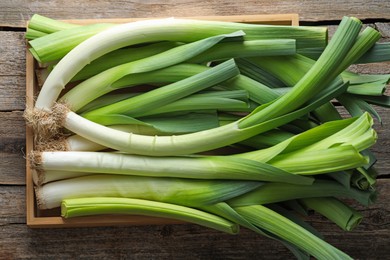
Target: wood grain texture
{"x":12,"y":71}
{"x":178,"y":241}
{"x":147,"y":242}
{"x":384,"y":29}
{"x":12,"y":148}
{"x":164,"y":242}
{"x":15,"y":13}
{"x":12,"y":204}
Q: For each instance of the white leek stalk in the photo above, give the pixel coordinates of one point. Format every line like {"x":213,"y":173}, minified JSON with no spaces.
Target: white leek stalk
{"x":209,"y":167}
{"x":172,"y":190}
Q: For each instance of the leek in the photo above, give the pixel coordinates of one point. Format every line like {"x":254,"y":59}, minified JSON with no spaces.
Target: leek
{"x":135,"y":106}
{"x":312,"y":152}
{"x":180,"y":144}
{"x":221,"y":51}
{"x":205,"y":167}
{"x":101,"y":205}
{"x":47,"y":25}
{"x":277,"y":192}
{"x":364,"y":179}
{"x":185,"y":30}
{"x":258,"y":74}
{"x":33,"y":34}
{"x":383,"y":101}
{"x":343,"y":177}
{"x":284,"y":228}
{"x":46,"y":48}
{"x":380,"y":52}
{"x":325,"y":69}
{"x":333,"y":159}
{"x":356,"y":132}
{"x":101,"y":83}
{"x":267,"y":139}
{"x":257,"y":91}
{"x":224,"y":210}
{"x":344,"y":216}
{"x":40,"y":178}
{"x":188,"y":123}
{"x":293,"y":217}
{"x":356,"y":106}
{"x":122,"y":56}
{"x":172,"y":190}
{"x":200,"y":102}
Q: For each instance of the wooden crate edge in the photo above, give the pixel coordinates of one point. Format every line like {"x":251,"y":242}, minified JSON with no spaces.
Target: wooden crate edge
{"x":275,"y":19}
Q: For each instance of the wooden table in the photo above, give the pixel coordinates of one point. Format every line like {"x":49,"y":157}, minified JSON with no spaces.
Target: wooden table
{"x":371,"y":240}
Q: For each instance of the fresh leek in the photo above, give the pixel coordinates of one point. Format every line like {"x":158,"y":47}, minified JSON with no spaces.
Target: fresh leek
{"x":266,"y":218}
{"x":173,"y":190}
{"x":103,"y":205}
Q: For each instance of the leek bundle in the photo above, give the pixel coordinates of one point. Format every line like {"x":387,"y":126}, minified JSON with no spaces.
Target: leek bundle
{"x":215,"y":123}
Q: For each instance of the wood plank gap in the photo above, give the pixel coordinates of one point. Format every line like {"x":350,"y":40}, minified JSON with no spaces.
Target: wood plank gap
{"x":319,"y":23}
{"x":13,"y":223}
{"x":11,"y":110}
{"x":375,"y":20}
{"x":337,"y":22}
{"x":3,"y":185}
{"x":12,"y":29}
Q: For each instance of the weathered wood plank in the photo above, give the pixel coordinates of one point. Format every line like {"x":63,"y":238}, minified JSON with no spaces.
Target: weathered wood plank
{"x":12,"y":53}
{"x":12,"y":71}
{"x":16,"y":13}
{"x":167,"y":242}
{"x":12,"y":203}
{"x":384,"y":29}
{"x":368,"y":241}
{"x":13,"y":170}
{"x":12,"y":148}
{"x":148,"y":242}
{"x":13,"y":93}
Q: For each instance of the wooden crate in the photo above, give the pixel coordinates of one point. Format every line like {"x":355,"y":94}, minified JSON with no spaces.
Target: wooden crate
{"x":51,"y":218}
